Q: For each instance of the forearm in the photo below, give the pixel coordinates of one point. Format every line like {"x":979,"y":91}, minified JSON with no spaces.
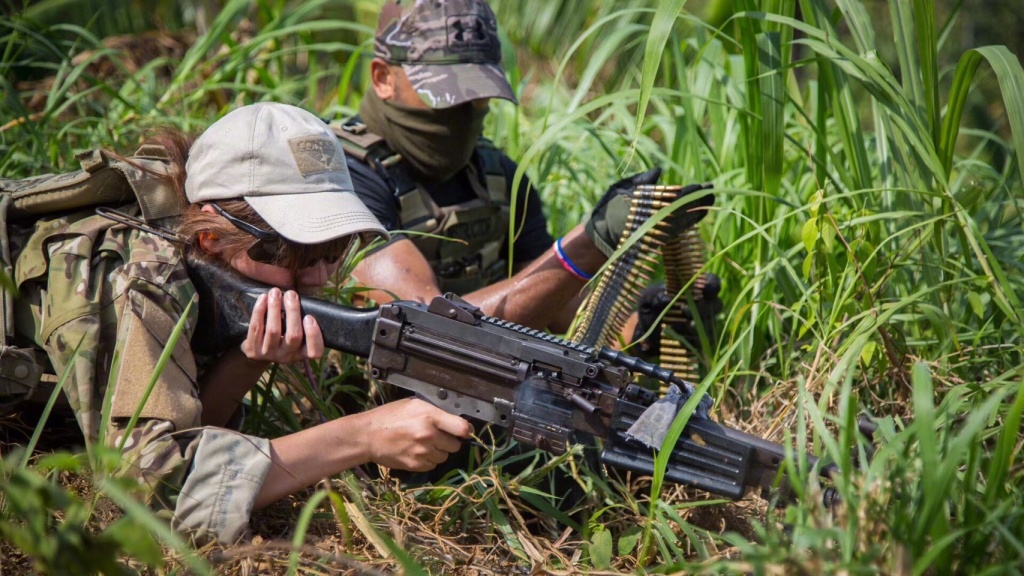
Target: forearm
{"x":544,"y":291}
{"x":225,"y":384}
{"x":300,"y":460}
{"x":408,"y":434}
{"x":540,"y":295}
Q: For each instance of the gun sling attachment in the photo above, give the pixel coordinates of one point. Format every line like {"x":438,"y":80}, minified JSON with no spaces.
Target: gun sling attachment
{"x":540,"y":387}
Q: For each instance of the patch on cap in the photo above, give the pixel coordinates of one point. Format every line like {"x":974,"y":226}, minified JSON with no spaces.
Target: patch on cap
{"x":316,"y":155}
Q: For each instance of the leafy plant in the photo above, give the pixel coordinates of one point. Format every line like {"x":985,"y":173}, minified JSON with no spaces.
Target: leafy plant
{"x":51,"y":524}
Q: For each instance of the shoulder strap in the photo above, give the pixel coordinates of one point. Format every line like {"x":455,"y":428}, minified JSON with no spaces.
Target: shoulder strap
{"x":358,"y":142}
{"x":156,"y":196}
{"x":490,"y":156}
{"x":494,"y":175}
{"x":7,"y":270}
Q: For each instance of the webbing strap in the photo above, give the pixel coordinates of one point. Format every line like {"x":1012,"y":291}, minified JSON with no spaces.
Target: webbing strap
{"x":19,"y":373}
{"x":7,"y":269}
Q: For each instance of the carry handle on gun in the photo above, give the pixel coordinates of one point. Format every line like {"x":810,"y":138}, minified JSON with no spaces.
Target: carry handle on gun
{"x":540,"y":387}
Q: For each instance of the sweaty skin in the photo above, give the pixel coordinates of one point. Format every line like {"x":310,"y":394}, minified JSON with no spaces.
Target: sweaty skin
{"x":541,"y":295}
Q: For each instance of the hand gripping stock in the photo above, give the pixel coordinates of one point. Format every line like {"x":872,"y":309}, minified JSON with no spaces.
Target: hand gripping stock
{"x":540,"y":387}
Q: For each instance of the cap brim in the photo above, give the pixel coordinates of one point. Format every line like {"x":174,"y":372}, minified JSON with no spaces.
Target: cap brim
{"x":446,"y":85}
{"x":316,"y":217}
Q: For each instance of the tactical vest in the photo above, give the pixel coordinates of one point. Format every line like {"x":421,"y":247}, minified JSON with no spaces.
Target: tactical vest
{"x":103,"y":180}
{"x":462,"y":242}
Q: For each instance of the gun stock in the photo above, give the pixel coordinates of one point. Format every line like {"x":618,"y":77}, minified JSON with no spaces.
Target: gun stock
{"x":226,"y":300}
{"x":540,"y":387}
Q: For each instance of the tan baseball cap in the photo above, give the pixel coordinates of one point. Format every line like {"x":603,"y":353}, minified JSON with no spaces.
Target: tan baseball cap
{"x":288,"y":165}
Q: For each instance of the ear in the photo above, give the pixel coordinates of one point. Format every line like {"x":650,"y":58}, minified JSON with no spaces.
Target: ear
{"x":381,"y":79}
{"x":209,"y":242}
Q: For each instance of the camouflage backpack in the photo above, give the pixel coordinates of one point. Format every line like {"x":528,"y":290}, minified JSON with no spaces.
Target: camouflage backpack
{"x":103,"y":180}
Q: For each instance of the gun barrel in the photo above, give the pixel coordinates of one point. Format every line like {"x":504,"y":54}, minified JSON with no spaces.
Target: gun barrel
{"x":704,"y":457}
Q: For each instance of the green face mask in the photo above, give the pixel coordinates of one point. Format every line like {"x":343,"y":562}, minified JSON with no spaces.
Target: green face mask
{"x":436,"y":143}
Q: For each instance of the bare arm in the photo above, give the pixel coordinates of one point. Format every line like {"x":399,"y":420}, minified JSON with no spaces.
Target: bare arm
{"x":544,"y":292}
{"x":408,"y":434}
{"x":538,"y":296}
{"x":399,"y":271}
{"x":223,"y":386}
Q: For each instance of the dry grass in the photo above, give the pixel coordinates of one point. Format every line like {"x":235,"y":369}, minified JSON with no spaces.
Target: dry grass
{"x":453,"y":533}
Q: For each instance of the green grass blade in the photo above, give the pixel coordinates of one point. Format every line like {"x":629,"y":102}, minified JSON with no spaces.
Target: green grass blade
{"x":661,"y":29}
{"x":773,"y":105}
{"x":1011,"y":85}
{"x":817,"y":14}
{"x":57,"y":391}
{"x":302,"y":527}
{"x":924,"y":24}
{"x":856,"y":17}
{"x":905,"y":37}
{"x":753,"y":120}
{"x":958,"y":92}
{"x":1003,"y":456}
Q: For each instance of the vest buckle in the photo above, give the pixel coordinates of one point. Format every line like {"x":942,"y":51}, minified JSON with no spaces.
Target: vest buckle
{"x":353,"y":126}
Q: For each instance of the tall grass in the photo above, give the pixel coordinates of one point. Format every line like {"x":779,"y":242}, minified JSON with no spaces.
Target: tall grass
{"x":868,"y":240}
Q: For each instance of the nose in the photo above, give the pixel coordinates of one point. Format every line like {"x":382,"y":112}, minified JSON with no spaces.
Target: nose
{"x":311,"y":280}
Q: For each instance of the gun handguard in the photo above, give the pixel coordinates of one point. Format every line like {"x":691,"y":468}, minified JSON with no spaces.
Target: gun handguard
{"x":540,"y":387}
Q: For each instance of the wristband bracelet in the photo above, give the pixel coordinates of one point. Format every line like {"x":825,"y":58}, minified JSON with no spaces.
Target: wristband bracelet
{"x":567,"y":264}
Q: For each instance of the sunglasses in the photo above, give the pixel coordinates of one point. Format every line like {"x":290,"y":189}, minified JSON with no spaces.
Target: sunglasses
{"x":269,"y":244}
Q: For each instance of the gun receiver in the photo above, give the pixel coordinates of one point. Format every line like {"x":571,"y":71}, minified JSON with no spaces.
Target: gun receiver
{"x":540,"y":387}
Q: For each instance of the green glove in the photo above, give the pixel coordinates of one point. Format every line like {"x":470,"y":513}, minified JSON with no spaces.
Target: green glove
{"x":608,"y":218}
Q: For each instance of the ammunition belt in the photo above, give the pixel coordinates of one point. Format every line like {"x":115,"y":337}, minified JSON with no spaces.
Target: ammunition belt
{"x":617,"y":291}
{"x":683,"y":259}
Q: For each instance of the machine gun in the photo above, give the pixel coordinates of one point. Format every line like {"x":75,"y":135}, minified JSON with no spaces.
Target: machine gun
{"x":540,"y":387}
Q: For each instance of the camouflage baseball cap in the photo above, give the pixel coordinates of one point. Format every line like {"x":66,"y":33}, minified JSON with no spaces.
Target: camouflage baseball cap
{"x":449,"y":49}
